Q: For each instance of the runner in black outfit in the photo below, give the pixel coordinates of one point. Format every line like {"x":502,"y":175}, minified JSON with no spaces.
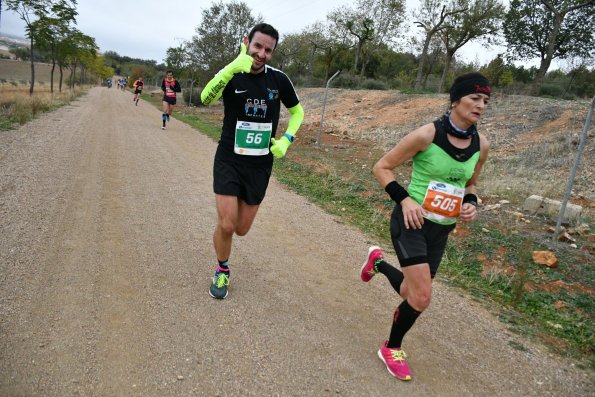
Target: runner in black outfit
{"x":252,"y":95}
{"x":138,"y":89}
{"x":170,"y":87}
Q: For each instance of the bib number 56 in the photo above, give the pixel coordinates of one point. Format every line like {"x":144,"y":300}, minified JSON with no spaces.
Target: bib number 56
{"x":252,"y":137}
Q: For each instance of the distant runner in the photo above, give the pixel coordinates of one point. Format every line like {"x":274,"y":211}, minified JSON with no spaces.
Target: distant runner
{"x":447,"y":155}
{"x":170,"y":87}
{"x":138,"y":89}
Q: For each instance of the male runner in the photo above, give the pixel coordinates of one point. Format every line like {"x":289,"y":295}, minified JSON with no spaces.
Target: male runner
{"x":138,"y":89}
{"x":252,"y":95}
{"x":170,"y":87}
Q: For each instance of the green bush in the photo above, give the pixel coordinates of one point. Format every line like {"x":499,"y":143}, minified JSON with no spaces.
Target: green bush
{"x":551,"y":90}
{"x":308,"y":81}
{"x":195,"y":96}
{"x":371,"y":84}
{"x":346,"y":81}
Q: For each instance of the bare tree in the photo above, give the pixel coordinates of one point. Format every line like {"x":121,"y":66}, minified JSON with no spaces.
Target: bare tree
{"x":370,"y":23}
{"x":432,"y":22}
{"x":481,"y":20}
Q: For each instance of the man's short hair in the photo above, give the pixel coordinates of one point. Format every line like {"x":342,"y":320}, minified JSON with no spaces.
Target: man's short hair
{"x":267,"y":29}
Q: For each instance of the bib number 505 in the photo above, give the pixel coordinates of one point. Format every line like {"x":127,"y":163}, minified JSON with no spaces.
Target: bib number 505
{"x":444,"y":203}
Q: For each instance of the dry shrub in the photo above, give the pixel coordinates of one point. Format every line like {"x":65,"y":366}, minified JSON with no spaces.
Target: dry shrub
{"x":18,"y":106}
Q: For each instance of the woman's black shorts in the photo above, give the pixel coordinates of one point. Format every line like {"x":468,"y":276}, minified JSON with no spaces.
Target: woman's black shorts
{"x":171,"y":101}
{"x":246,"y":182}
{"x":415,"y":246}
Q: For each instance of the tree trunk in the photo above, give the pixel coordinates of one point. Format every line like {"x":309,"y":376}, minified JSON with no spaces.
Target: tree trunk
{"x":427,"y":74}
{"x":52,"y":76}
{"x":311,"y":60}
{"x":447,"y":62}
{"x":327,"y":67}
{"x":61,"y":78}
{"x":544,"y":65}
{"x":73,"y":76}
{"x":32,"y":70}
{"x":365,"y":61}
{"x":546,"y":60}
{"x":357,"y":52}
{"x":422,"y":61}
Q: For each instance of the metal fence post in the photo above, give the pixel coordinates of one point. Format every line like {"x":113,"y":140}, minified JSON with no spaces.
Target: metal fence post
{"x":581,"y":146}
{"x":328,"y":83}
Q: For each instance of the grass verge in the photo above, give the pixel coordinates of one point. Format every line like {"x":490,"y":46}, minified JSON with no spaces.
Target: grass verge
{"x":17,"y":107}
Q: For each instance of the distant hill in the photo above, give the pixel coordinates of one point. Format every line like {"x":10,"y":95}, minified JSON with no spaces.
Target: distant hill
{"x":8,"y":42}
{"x":20,"y":72}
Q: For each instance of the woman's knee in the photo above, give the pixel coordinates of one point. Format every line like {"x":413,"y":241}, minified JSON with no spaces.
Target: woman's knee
{"x":420,"y":299}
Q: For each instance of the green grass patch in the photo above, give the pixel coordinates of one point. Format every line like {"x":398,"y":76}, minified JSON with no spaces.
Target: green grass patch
{"x":333,"y":194}
{"x":207,"y":128}
{"x":530,"y":298}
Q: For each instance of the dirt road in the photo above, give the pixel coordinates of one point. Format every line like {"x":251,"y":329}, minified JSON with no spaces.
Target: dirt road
{"x":106,"y":256}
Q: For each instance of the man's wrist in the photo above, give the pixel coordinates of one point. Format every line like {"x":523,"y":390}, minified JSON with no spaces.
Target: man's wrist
{"x":290,"y":138}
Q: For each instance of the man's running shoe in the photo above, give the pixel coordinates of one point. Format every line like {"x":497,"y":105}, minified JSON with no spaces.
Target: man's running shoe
{"x":162,"y":127}
{"x":368,"y":269}
{"x":219,"y":285}
{"x":394,"y":359}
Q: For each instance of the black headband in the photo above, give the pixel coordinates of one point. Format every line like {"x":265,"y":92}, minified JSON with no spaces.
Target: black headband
{"x":470,"y":83}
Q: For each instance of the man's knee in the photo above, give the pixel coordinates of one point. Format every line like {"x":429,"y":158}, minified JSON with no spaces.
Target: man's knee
{"x":227,"y":227}
{"x":242,"y":231}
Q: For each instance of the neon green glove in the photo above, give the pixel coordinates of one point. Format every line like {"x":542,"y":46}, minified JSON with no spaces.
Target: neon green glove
{"x":214,"y":88}
{"x":279,"y":146}
{"x":242,"y":63}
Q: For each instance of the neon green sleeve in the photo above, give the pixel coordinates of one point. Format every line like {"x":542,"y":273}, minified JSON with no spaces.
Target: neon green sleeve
{"x":214,"y":88}
{"x":295,"y":120}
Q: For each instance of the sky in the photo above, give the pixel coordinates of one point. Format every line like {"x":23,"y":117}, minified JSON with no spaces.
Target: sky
{"x":146,"y":29}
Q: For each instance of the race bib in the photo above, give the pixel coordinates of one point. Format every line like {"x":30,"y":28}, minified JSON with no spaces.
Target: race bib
{"x":443,"y":201}
{"x":252,"y":139}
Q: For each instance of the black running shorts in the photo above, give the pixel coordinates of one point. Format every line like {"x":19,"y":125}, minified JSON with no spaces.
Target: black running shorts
{"x":171,"y":101}
{"x":416,"y":246}
{"x":248,"y":183}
